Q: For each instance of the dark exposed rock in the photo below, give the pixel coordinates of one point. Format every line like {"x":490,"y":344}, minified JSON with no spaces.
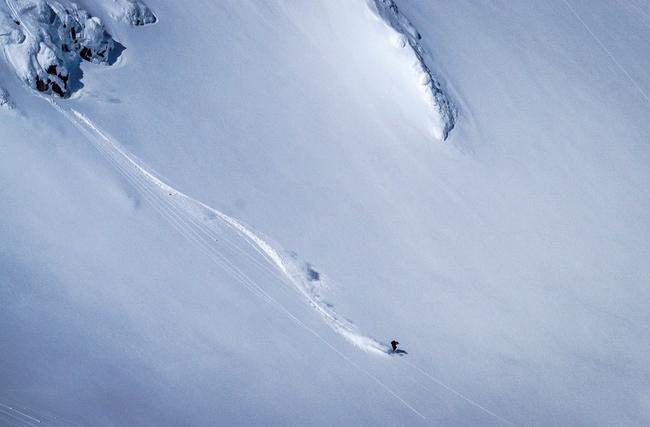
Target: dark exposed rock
{"x":41,"y":85}
{"x":85,"y":53}
{"x":57,"y":89}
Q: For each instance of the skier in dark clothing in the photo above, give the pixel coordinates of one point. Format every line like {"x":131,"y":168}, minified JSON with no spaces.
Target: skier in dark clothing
{"x":394,"y":344}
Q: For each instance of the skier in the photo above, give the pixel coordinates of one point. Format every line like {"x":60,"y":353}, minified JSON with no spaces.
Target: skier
{"x":394,"y":344}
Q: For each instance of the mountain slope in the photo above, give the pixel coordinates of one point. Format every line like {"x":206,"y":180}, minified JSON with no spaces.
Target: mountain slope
{"x":508,"y":259}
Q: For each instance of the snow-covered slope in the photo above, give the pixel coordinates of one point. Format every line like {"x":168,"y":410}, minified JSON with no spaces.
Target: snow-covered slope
{"x":221,"y":226}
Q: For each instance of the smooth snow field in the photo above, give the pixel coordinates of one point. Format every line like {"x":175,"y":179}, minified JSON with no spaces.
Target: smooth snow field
{"x":220,"y":213}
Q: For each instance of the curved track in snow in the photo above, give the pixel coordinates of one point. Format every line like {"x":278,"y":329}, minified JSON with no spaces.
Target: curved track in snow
{"x":217,"y":234}
{"x":227,"y":242}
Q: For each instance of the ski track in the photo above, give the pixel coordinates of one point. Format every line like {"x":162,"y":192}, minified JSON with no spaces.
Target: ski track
{"x":641,"y":91}
{"x":13,"y":413}
{"x":206,"y":227}
{"x":217,"y":234}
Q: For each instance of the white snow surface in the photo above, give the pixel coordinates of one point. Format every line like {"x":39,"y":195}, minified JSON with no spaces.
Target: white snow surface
{"x":227,"y":225}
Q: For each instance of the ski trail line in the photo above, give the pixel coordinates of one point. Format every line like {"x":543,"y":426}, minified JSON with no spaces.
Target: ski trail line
{"x":180,"y":224}
{"x":191,"y":219}
{"x":290,"y":271}
{"x":607,"y":50}
{"x":27,"y":415}
{"x":440,"y":383}
{"x":202,"y":225}
{"x":8,"y":410}
{"x":370,"y":375}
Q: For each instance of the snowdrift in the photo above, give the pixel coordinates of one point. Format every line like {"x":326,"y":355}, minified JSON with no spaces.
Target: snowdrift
{"x":442,"y":109}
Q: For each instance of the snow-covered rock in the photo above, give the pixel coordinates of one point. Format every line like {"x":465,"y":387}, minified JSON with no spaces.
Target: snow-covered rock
{"x":388,"y":10}
{"x":136,"y":13}
{"x":5,"y":101}
{"x":56,"y":38}
{"x":10,"y":31}
{"x":132,"y":12}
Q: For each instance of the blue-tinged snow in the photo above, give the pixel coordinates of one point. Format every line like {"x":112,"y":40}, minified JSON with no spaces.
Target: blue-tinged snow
{"x":211,"y":229}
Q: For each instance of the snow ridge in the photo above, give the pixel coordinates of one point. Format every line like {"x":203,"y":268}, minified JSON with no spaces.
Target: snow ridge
{"x":216,"y":234}
{"x":389,"y":12}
